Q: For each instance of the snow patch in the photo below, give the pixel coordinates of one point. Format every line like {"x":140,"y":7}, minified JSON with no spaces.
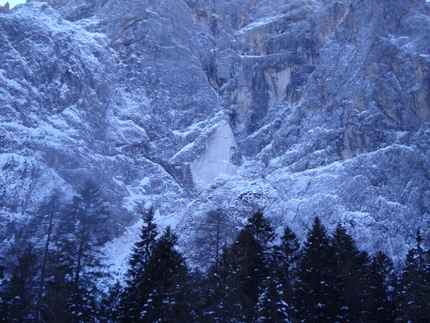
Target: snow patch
{"x":216,"y":159}
{"x":118,"y":251}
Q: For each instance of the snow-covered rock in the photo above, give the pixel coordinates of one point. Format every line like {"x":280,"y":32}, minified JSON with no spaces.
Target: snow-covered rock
{"x":299,"y":108}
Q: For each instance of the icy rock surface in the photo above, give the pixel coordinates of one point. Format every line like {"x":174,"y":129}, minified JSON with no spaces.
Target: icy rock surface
{"x":216,"y":158}
{"x":208,"y":110}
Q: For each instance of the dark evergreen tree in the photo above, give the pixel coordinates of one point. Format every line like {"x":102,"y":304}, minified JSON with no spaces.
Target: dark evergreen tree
{"x":357,"y":292}
{"x":217,"y":218}
{"x":48,"y":214}
{"x":210,"y":236}
{"x":167,"y":277}
{"x":271,"y":305}
{"x":158,"y":285}
{"x":143,"y":249}
{"x":59,"y":286}
{"x":252,"y":258}
{"x":350,"y":265}
{"x":262,"y":231}
{"x":287,"y":256}
{"x":18,"y":299}
{"x":137,"y":289}
{"x":39,"y":230}
{"x":196,"y":289}
{"x":381,"y":290}
{"x":111,"y":304}
{"x":249,"y":272}
{"x":415,"y":286}
{"x":275,"y":302}
{"x":79,"y":239}
{"x":221,"y":291}
{"x":316,"y":294}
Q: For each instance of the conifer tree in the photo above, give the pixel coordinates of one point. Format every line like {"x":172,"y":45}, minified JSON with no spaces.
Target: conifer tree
{"x":157,"y":285}
{"x":39,"y":231}
{"x":271,"y":306}
{"x":195,"y":289}
{"x":18,"y":299}
{"x":211,"y":235}
{"x":221,"y":290}
{"x":111,"y":304}
{"x":381,"y":290}
{"x":59,"y":286}
{"x":316,"y":295}
{"x":249,"y":272}
{"x":275,"y":301}
{"x":415,"y":287}
{"x":262,"y":231}
{"x":50,"y":212}
{"x":251,"y":260}
{"x":350,"y":265}
{"x":167,"y":276}
{"x":79,"y":238}
{"x":287,"y":256}
{"x":289,"y":252}
{"x":137,"y":289}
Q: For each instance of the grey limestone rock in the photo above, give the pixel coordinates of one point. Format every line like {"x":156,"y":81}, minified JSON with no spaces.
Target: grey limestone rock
{"x":5,"y":9}
{"x":202,"y":107}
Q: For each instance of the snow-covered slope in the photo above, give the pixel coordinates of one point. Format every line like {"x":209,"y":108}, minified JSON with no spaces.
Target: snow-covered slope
{"x":300,"y":108}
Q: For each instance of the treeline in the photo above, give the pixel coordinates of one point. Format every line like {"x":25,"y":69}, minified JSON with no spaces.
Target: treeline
{"x":50,"y":271}
{"x":259,"y":278}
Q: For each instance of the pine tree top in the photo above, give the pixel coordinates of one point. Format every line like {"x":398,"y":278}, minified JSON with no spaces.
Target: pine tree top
{"x":260,"y":227}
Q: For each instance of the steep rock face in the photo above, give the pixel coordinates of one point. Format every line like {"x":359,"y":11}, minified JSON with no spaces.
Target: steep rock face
{"x":333,"y":145}
{"x":5,"y":8}
{"x":215,"y":108}
{"x":53,"y":96}
{"x":66,"y":116}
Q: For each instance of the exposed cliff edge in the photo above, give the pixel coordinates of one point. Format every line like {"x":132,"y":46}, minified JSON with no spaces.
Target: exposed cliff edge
{"x":300,"y":108}
{"x":5,"y":8}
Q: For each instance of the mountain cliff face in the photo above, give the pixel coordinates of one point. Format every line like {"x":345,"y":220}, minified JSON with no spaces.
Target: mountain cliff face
{"x":201,"y":108}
